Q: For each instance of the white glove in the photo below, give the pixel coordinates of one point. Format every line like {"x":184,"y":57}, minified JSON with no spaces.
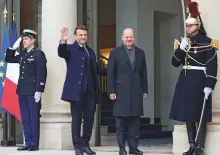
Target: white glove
{"x":207,"y":91}
{"x":184,"y":43}
{"x":17,"y":43}
{"x":37,"y":96}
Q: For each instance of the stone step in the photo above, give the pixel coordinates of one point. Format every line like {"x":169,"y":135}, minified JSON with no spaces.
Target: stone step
{"x":110,"y":121}
{"x":143,"y":127}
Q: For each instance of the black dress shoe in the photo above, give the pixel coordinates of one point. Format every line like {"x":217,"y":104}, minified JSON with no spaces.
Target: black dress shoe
{"x":122,"y":151}
{"x":33,"y":148}
{"x":23,"y":148}
{"x":198,"y":151}
{"x":189,"y":152}
{"x":78,"y":152}
{"x":87,"y":150}
{"x":135,"y":152}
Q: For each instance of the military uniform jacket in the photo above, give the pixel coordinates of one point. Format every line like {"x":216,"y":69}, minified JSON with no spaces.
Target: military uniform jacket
{"x":75,"y":62}
{"x":33,"y":70}
{"x":127,"y":82}
{"x":199,"y":71}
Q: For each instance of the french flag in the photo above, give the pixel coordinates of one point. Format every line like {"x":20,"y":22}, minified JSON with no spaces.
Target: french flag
{"x":9,"y":99}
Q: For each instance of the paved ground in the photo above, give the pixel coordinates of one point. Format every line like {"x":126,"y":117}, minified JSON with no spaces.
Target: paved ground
{"x":13,"y":151}
{"x":149,"y":147}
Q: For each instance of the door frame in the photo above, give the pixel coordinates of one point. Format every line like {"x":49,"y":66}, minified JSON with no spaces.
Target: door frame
{"x":88,"y":15}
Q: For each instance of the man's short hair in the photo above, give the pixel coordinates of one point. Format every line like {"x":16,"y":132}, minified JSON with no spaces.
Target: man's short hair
{"x":80,"y":27}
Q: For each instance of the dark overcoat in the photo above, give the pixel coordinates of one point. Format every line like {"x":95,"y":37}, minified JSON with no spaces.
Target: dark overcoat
{"x":127,"y":82}
{"x":188,"y":96}
{"x":75,"y":63}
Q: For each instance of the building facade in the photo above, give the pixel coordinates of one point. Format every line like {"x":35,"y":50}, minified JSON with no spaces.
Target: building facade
{"x":156,"y":24}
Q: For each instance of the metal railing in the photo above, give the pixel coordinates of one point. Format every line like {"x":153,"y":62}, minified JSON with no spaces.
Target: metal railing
{"x":103,"y":79}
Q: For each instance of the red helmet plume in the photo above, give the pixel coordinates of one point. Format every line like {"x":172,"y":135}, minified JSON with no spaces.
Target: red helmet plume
{"x":193,"y":9}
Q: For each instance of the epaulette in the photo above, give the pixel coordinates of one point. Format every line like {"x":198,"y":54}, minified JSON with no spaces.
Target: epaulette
{"x":215,"y":44}
{"x":175,"y":45}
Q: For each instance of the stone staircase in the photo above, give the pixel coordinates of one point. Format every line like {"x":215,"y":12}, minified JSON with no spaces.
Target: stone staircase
{"x":147,"y":130}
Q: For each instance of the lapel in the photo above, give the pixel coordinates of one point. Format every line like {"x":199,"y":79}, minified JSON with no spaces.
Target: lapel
{"x":125,"y":55}
{"x":27,"y":54}
{"x":91,"y":54}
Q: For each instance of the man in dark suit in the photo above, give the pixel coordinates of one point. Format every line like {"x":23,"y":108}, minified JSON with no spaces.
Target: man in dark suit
{"x":80,"y":86}
{"x":31,"y":84}
{"x":127,"y":86}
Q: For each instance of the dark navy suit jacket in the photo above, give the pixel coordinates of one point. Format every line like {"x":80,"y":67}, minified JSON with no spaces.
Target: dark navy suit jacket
{"x":75,"y":62}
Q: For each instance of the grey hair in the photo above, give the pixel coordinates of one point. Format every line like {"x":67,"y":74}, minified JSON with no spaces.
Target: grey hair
{"x":128,"y":29}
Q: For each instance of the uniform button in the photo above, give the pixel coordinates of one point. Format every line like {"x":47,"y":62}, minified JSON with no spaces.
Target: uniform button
{"x":24,"y":61}
{"x":81,"y":73}
{"x":22,"y":72}
{"x":23,"y":66}
{"x":83,"y":58}
{"x":79,"y":82}
{"x":82,"y":66}
{"x":22,"y":77}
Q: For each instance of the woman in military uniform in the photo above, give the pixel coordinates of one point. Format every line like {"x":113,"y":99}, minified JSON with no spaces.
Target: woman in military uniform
{"x":196,"y":81}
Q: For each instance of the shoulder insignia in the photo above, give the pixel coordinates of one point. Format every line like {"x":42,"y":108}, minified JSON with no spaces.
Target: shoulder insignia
{"x":175,"y":46}
{"x":215,"y":44}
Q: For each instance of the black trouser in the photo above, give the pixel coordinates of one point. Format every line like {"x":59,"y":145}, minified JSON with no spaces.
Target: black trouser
{"x":132,"y":124}
{"x":84,"y":109}
{"x":191,"y":131}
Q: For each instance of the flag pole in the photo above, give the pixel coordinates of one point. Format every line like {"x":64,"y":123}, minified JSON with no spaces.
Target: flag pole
{"x":5,"y":12}
{"x":11,"y":117}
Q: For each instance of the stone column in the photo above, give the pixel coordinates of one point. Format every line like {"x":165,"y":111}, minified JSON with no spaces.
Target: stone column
{"x":56,"y":118}
{"x":209,"y":12}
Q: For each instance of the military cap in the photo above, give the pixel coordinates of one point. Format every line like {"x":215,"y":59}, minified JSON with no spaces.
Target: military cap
{"x":29,"y":33}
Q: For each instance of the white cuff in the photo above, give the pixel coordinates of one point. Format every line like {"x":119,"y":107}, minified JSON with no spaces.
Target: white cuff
{"x":11,"y":48}
{"x":63,"y":42}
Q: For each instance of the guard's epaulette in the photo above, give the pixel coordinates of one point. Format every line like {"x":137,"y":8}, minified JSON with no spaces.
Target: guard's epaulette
{"x":175,"y":45}
{"x":215,"y":44}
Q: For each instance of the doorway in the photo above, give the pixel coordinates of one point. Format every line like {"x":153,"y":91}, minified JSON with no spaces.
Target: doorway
{"x":166,"y":26}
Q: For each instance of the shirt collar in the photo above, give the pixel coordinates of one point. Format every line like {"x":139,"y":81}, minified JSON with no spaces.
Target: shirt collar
{"x":127,"y":48}
{"x":81,"y":45}
{"x":30,"y":49}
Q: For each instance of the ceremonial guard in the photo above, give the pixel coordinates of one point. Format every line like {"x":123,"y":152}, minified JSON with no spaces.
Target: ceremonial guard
{"x":197,"y":80}
{"x":31,"y":84}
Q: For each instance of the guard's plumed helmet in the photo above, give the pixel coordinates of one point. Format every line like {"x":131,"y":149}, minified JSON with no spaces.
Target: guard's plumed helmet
{"x":194,"y":16}
{"x":193,"y":13}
